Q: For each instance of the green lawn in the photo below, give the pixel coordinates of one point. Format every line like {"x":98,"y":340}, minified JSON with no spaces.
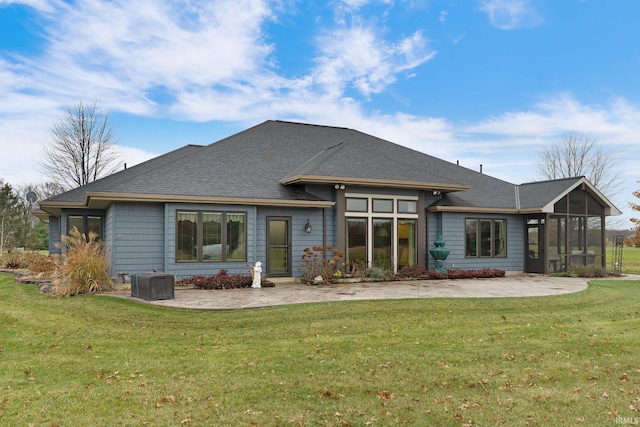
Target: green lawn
{"x":630,"y":260}
{"x":561,"y":360}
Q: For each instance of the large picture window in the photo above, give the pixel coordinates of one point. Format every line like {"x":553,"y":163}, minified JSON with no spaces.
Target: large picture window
{"x":381,"y":230}
{"x":211,"y":236}
{"x":486,"y":238}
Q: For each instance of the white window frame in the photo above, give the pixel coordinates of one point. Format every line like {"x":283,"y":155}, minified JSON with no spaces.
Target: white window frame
{"x":370,"y":215}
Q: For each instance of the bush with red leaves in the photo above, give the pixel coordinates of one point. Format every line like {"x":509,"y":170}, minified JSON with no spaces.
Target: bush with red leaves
{"x":419,"y":272}
{"x":222,"y":280}
{"x":485,"y":273}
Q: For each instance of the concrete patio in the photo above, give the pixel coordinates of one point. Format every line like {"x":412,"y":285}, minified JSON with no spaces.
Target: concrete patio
{"x":291,"y":292}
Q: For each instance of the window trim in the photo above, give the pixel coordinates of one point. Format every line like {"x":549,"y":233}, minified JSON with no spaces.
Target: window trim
{"x":85,"y":223}
{"x":200,"y":236}
{"x":380,"y":199}
{"x":492,"y":237}
{"x":407,"y":211}
{"x":366,"y":200}
{"x":369,"y":215}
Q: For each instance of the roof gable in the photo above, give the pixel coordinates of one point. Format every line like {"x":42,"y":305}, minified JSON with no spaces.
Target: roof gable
{"x":545,"y":194}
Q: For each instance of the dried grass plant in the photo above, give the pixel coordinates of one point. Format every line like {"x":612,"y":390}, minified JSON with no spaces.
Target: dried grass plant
{"x":85,"y":265}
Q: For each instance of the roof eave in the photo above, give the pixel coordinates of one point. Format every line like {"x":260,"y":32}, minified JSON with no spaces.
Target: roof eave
{"x":372,"y":182}
{"x":103,"y":200}
{"x":468,"y":209}
{"x":95,"y":200}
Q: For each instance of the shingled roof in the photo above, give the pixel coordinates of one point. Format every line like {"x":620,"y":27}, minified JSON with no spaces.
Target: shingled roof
{"x":270,"y":162}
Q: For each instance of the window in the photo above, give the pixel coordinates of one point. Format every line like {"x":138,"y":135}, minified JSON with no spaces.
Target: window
{"x":85,"y":224}
{"x":407,"y":206}
{"x":485,"y":238}
{"x":381,"y":230}
{"x":406,"y":242}
{"x":187,"y":240}
{"x":382,"y":206}
{"x":356,"y":241}
{"x":382,"y":242}
{"x":210,"y":236}
{"x":357,"y":204}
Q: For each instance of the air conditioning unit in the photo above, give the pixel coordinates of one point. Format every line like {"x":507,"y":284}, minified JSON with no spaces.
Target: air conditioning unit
{"x":152,"y":286}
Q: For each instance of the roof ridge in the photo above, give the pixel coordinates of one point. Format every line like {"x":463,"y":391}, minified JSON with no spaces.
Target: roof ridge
{"x":567,"y":178}
{"x":310,"y":124}
{"x":306,"y":165}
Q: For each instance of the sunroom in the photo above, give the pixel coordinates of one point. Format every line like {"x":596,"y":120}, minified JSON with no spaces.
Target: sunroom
{"x":572,"y":235}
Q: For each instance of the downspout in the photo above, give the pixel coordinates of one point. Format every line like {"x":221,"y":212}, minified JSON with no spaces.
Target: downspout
{"x":603,"y":242}
{"x":423,"y":239}
{"x":340,"y":225}
{"x":324,"y":231}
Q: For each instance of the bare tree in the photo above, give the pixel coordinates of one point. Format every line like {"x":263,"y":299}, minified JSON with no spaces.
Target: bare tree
{"x":82,"y":148}
{"x":581,"y":155}
{"x":43,"y":190}
{"x":635,"y":240}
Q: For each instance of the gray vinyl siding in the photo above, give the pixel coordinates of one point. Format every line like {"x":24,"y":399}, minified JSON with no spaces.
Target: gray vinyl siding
{"x":451,"y":226}
{"x":137,"y":233}
{"x":108,"y":237}
{"x":325,"y":192}
{"x":54,"y":235}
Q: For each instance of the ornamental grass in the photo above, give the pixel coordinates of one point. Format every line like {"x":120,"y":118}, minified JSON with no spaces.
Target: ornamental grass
{"x":85,"y":266}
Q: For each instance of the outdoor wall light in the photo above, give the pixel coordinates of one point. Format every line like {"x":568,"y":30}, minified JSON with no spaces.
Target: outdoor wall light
{"x":307,"y":227}
{"x":339,"y":186}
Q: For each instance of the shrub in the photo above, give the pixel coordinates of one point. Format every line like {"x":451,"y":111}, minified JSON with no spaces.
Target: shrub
{"x":376,"y":273}
{"x":485,"y":273}
{"x":413,"y":272}
{"x":222,"y":280}
{"x":315,"y":264}
{"x":14,"y":260}
{"x":436,"y":275}
{"x":85,"y":266}
{"x":42,"y":264}
{"x":419,"y":272}
{"x":358,"y":268}
{"x":588,"y":272}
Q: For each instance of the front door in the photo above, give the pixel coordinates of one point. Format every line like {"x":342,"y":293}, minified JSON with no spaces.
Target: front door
{"x":279,"y":246}
{"x":535,"y":246}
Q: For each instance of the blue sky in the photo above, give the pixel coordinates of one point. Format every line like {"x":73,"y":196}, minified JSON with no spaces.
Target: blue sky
{"x":476,"y":81}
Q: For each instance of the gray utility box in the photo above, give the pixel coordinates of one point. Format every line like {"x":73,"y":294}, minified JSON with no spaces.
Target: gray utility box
{"x":152,"y":286}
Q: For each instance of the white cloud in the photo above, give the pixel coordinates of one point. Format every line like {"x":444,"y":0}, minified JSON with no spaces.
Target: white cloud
{"x":511,"y":14}
{"x":561,"y":113}
{"x":132,"y":156}
{"x":121,"y":52}
{"x":355,"y":4}
{"x":42,"y":5}
{"x":357,"y":56}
